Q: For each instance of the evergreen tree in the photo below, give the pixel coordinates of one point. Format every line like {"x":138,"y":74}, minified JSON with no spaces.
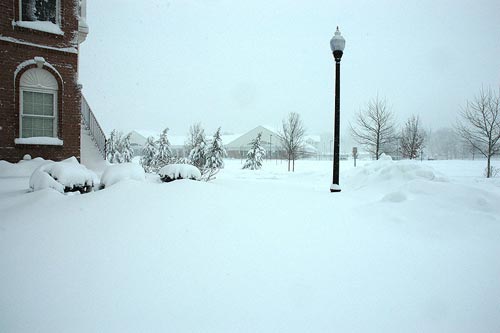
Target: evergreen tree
{"x":113,"y":147}
{"x":255,"y":155}
{"x":164,"y":156}
{"x":197,"y":155}
{"x":149,"y":155}
{"x":214,"y":156}
{"x":126,"y":149}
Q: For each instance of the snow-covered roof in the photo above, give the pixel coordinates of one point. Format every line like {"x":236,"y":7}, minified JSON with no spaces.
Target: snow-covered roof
{"x":313,"y":138}
{"x":147,"y":133}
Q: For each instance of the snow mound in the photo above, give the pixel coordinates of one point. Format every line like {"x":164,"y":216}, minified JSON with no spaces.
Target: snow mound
{"x":23,"y":168}
{"x":385,"y":171}
{"x":179,"y":171}
{"x":64,"y":176}
{"x":119,"y":172}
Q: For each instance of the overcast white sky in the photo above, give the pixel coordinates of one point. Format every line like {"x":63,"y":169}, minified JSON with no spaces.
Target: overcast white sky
{"x":238,"y":64}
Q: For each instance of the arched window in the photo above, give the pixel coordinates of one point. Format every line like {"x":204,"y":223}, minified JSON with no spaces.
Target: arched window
{"x":38,"y":104}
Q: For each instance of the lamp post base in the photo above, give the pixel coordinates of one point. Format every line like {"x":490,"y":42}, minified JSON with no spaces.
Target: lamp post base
{"x":334,"y":188}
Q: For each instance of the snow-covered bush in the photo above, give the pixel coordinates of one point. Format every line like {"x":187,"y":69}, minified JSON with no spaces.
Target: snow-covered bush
{"x":118,"y":172}
{"x":64,"y":176}
{"x":173,"y":172}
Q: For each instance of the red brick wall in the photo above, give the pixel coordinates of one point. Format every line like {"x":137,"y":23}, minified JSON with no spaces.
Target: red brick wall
{"x":11,"y":55}
{"x":9,"y":11}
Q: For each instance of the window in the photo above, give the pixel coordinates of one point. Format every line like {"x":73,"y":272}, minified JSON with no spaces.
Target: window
{"x":38,"y":104}
{"x":39,"y":10}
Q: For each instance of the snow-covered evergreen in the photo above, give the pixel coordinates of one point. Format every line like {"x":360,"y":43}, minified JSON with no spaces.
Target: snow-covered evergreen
{"x":127,"y":153}
{"x":164,"y":156}
{"x":118,"y":148}
{"x":113,"y":154}
{"x":197,"y":155}
{"x":255,"y":155}
{"x":214,"y":156}
{"x":149,"y":155}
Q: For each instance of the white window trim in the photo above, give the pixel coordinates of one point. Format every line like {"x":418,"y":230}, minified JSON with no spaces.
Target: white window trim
{"x":26,"y":24}
{"x":21,"y":112}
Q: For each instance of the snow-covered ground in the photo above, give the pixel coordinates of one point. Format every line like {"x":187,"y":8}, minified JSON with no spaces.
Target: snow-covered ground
{"x":405,"y":247}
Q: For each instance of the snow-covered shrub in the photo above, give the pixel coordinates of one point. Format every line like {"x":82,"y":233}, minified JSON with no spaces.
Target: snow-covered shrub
{"x":173,"y":172}
{"x":64,"y":176}
{"x":118,"y":172}
{"x":41,"y":180}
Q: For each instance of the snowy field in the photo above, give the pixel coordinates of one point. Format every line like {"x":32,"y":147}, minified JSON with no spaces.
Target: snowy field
{"x":405,"y":247}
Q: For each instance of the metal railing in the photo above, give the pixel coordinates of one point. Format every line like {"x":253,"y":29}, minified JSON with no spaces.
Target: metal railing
{"x":90,"y":123}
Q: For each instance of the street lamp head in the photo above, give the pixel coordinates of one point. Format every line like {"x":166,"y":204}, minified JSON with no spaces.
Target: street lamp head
{"x":337,"y":44}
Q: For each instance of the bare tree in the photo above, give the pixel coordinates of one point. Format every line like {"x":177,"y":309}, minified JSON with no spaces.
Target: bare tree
{"x":412,"y":138}
{"x":480,"y":125}
{"x":292,"y":137}
{"x":194,"y":135}
{"x":375,"y":127}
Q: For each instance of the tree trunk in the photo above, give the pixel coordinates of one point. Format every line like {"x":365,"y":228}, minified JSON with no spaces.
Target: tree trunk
{"x":488,"y":171}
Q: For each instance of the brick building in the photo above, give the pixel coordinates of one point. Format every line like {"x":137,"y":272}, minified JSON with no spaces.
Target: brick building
{"x":40,"y":97}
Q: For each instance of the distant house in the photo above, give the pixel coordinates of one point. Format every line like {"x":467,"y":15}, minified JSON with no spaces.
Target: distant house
{"x":40,"y":96}
{"x":311,"y":146}
{"x":238,"y":145}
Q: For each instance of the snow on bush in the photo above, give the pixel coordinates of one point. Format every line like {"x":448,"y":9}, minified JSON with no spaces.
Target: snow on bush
{"x":118,"y":172}
{"x":172,"y":172}
{"x":64,"y":176}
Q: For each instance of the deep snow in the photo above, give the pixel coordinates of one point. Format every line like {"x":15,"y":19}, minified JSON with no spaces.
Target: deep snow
{"x":405,"y":247}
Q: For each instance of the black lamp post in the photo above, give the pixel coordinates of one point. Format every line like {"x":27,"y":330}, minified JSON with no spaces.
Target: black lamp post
{"x":337,"y":44}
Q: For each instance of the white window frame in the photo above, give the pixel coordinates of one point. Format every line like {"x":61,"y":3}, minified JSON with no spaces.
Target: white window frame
{"x":39,"y":80}
{"x":58,"y":13}
{"x":22,"y":115}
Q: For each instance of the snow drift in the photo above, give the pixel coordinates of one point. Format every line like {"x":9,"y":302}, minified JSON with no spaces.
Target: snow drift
{"x":401,"y":249}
